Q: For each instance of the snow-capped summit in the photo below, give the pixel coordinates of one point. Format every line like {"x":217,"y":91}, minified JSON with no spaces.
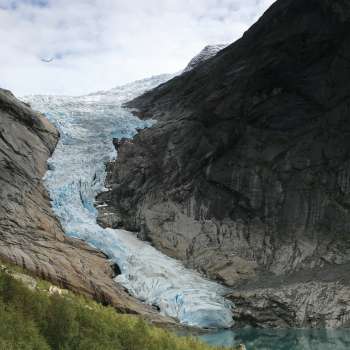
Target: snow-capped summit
{"x":208,"y":52}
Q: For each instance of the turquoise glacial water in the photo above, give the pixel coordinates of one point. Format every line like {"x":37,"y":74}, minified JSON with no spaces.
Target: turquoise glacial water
{"x":291,"y":339}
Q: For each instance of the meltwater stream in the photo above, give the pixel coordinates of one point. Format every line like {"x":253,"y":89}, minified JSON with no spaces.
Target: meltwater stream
{"x":76,"y":174}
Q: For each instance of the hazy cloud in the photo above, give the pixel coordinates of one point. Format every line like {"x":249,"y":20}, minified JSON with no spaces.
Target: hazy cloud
{"x":98,"y":44}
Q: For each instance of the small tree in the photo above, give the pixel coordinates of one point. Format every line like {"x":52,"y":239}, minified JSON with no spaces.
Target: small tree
{"x":62,"y":327}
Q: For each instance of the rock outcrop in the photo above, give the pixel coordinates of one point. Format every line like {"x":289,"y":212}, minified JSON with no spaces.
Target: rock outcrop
{"x":247,"y":171}
{"x":299,"y":305}
{"x":318,"y":298}
{"x":30,"y":235}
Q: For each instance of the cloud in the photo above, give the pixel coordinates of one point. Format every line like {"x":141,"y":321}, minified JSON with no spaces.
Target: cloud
{"x":98,"y":44}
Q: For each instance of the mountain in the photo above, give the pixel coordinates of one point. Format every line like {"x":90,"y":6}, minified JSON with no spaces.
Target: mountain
{"x":30,"y":234}
{"x":246,"y":174}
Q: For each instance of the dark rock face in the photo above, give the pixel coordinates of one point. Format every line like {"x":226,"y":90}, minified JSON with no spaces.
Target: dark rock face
{"x":30,"y":235}
{"x":248,"y":169}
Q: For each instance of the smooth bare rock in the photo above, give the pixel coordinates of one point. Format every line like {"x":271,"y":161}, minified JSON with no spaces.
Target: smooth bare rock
{"x":30,"y":235}
{"x":247,"y":170}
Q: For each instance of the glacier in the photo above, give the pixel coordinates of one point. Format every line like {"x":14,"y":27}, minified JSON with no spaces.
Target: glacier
{"x":76,"y":174}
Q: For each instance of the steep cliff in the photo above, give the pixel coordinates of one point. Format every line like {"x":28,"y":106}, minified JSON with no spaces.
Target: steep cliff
{"x":246,"y":174}
{"x":30,"y":235}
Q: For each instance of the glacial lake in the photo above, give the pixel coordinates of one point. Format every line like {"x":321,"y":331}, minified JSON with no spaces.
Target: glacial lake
{"x":291,"y":339}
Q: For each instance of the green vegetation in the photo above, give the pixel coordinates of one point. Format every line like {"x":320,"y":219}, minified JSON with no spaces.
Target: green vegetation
{"x":35,"y":320}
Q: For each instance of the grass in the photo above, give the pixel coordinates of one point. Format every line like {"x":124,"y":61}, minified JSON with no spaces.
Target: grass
{"x":36,"y":320}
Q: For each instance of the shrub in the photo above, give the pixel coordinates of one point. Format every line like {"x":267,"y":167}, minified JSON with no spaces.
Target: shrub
{"x":33,"y":320}
{"x":17,"y":332}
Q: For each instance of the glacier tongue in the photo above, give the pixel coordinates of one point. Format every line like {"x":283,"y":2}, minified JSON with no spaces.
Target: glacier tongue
{"x":77,"y":173}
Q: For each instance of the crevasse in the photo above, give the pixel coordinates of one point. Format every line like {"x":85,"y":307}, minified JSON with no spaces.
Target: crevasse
{"x":76,"y":174}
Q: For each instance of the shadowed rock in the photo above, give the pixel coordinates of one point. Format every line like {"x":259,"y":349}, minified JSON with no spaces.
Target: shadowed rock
{"x":247,"y":171}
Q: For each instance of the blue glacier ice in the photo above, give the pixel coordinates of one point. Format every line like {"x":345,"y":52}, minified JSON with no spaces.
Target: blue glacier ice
{"x":77,"y":173}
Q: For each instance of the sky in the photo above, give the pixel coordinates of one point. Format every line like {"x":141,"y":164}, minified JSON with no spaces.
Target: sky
{"x":99,"y":44}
